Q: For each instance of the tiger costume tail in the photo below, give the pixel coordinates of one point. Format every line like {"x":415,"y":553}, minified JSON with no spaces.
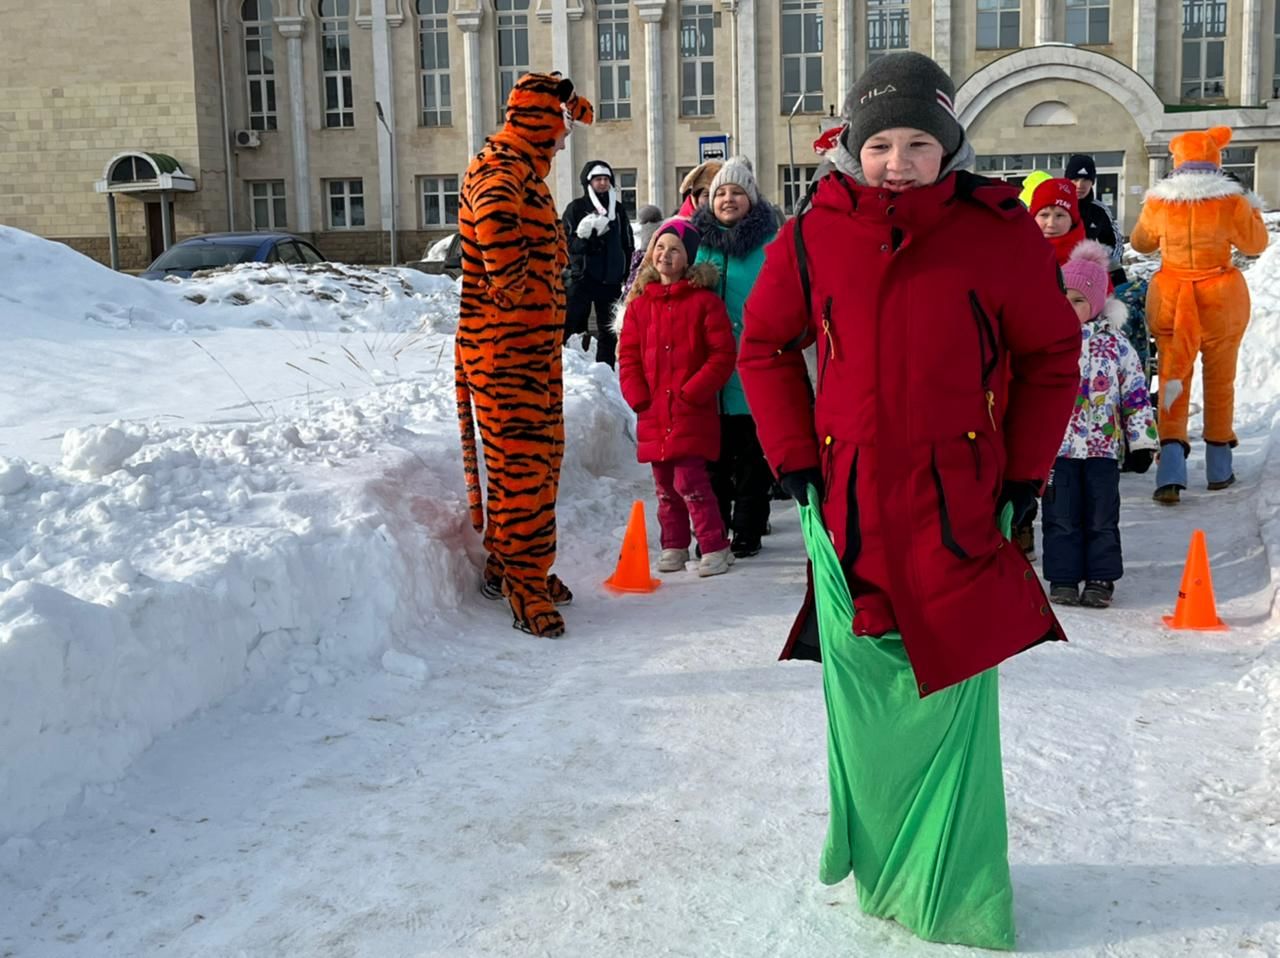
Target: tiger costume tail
{"x":470,"y":460}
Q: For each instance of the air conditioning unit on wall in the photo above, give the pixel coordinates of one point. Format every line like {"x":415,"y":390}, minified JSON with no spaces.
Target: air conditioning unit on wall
{"x":246,"y":139}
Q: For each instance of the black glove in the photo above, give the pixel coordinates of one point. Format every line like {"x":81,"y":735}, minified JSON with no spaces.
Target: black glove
{"x":1021,"y":494}
{"x":797,"y":484}
{"x":1138,"y":460}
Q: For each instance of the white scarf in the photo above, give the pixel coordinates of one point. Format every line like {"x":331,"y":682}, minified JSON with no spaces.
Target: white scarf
{"x":612,"y":212}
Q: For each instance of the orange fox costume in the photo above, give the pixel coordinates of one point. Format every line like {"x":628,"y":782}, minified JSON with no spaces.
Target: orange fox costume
{"x":507,"y":358}
{"x":1198,"y":302}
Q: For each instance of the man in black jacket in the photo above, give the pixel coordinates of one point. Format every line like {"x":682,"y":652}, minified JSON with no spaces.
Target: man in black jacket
{"x":600,"y":247}
{"x":1098,"y":223}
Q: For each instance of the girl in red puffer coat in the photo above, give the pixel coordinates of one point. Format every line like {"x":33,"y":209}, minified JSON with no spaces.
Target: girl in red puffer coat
{"x":675,"y":351}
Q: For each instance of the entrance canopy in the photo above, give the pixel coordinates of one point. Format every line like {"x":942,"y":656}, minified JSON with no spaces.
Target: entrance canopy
{"x":137,"y":172}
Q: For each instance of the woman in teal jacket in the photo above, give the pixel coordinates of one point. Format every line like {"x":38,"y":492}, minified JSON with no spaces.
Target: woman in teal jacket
{"x":736,"y":225}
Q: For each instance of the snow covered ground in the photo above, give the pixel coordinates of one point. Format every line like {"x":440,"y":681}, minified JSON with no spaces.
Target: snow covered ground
{"x":252,"y":703}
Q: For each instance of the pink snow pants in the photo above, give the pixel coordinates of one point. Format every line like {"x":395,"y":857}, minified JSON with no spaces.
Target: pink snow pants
{"x":684,"y":493}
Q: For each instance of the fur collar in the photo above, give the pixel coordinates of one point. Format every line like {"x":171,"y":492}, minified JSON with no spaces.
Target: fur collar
{"x":744,"y":237}
{"x":1112,"y":318}
{"x":1196,"y":187}
{"x":699,"y":276}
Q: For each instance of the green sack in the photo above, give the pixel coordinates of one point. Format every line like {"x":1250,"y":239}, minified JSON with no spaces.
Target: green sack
{"x":917,"y":787}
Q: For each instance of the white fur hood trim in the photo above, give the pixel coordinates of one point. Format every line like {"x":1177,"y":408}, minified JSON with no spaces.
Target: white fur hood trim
{"x":1195,"y":187}
{"x":1113,"y":316}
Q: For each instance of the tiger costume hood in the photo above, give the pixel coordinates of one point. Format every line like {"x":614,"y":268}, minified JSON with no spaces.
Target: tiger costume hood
{"x":540,"y":107}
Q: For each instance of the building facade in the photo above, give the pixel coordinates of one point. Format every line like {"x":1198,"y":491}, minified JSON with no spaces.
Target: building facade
{"x":344,"y":120}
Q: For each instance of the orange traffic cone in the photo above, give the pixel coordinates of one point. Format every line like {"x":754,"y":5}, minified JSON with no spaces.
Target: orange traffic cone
{"x":1196,"y":609}
{"x":632,"y":573}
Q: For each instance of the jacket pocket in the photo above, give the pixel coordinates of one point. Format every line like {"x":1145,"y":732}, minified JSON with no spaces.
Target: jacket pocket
{"x":964,"y":479}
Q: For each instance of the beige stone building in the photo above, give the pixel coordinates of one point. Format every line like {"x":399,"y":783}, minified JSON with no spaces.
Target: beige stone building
{"x":258,"y":114}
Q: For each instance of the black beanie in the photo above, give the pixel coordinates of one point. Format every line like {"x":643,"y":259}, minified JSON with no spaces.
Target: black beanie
{"x":1080,"y":167}
{"x":903,"y":89}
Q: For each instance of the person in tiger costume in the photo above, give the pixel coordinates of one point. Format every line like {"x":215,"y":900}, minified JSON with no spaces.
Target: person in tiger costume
{"x":507,"y":360}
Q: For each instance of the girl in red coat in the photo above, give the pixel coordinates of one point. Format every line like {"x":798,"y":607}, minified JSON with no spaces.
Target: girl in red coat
{"x":675,"y":351}
{"x":1057,"y":212}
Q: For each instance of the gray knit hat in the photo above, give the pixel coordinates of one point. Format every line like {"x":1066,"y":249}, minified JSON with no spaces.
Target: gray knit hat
{"x":738,"y":171}
{"x":903,"y":89}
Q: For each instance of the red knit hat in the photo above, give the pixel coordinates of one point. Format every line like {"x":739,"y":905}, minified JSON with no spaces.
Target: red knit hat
{"x":1056,"y":192}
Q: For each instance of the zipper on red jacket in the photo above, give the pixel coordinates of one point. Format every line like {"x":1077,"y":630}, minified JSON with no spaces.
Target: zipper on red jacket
{"x":988,"y":352}
{"x":831,"y":342}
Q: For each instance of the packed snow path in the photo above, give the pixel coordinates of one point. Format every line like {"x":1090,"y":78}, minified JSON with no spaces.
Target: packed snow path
{"x":654,"y":784}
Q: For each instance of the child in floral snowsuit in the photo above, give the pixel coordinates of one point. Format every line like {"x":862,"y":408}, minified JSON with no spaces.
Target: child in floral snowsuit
{"x":1082,"y":500}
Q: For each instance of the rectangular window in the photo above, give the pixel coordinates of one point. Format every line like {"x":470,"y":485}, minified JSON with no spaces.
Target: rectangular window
{"x":259,"y":63}
{"x":802,"y":55}
{"x":1088,"y":21}
{"x":1013,"y":168}
{"x":1204,"y":32}
{"x":513,"y":47}
{"x":433,"y":62}
{"x":1275,"y":65}
{"x":335,"y":63}
{"x":1240,"y":161}
{"x":697,"y":59}
{"x":346,"y":203}
{"x":792,"y":188}
{"x":999,"y":24}
{"x":627,"y":192}
{"x":613,"y":51}
{"x":266,"y":200}
{"x":888,"y":27}
{"x":439,"y":201}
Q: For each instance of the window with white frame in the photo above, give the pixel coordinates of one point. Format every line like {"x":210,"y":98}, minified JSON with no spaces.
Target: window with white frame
{"x":1275,"y":66}
{"x":266,"y":204}
{"x":1204,"y":46}
{"x":335,"y":62}
{"x":439,"y":201}
{"x":513,"y":47}
{"x":1240,"y":161}
{"x":888,"y":27}
{"x":346,"y":203}
{"x":999,"y":24}
{"x":627,"y":194}
{"x":792,"y":184}
{"x":697,"y":59}
{"x":1013,"y":168}
{"x":1088,"y":21}
{"x":259,"y":63}
{"x":613,"y":51}
{"x":433,"y":62}
{"x":802,"y":55}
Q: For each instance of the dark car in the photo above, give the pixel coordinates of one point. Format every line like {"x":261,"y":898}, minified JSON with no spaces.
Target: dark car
{"x":226,"y":249}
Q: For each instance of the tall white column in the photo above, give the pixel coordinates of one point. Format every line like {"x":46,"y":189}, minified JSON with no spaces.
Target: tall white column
{"x":651,"y":12}
{"x":1044,"y":22}
{"x":469,"y":23}
{"x":748,"y":144}
{"x":566,"y":166}
{"x":1251,"y":54}
{"x":942,"y":36}
{"x":845,"y":52}
{"x":292,"y":29}
{"x":1144,"y":39}
{"x":384,"y":95}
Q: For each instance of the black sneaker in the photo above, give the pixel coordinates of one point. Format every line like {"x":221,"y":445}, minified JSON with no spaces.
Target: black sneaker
{"x":1097,"y":595}
{"x":1062,"y":593}
{"x":745,"y":546}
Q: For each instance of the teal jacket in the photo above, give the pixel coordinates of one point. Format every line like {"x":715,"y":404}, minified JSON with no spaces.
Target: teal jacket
{"x":738,"y":253}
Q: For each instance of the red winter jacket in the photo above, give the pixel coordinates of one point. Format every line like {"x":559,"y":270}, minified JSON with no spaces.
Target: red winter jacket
{"x":675,"y":351}
{"x":948,"y":361}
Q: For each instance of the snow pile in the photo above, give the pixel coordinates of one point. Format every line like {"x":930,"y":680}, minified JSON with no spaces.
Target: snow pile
{"x":280,"y":500}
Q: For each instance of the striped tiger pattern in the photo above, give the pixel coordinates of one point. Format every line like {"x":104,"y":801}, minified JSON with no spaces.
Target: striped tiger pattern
{"x":507,"y":358}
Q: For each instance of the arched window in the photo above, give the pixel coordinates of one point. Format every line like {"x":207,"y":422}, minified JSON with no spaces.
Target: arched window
{"x":1050,"y":113}
{"x":259,"y":63}
{"x":433,"y":62}
{"x":335,"y":62}
{"x":513,"y":47}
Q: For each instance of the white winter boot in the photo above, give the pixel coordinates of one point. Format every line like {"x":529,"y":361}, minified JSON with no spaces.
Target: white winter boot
{"x":715,"y":563}
{"x":673,"y":560}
